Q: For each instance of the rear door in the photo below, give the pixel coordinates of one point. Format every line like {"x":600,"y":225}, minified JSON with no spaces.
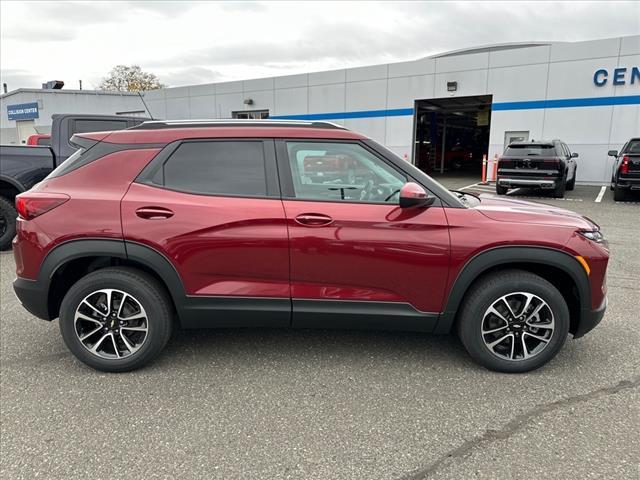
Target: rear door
{"x":213,"y":209}
{"x":357,"y":259}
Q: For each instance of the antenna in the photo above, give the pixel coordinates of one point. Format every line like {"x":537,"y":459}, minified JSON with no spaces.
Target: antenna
{"x":145,"y":105}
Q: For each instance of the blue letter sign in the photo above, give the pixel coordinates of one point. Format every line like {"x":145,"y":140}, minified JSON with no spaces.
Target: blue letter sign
{"x":23,"y":111}
{"x":620,"y":76}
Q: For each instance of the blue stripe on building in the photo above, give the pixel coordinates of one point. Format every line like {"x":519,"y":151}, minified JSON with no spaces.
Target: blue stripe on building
{"x":498,"y":106}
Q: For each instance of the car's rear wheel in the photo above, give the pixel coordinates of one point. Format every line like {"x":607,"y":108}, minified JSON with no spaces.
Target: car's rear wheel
{"x":501,"y":190}
{"x":558,"y":192}
{"x":513,"y":321}
{"x":116,"y":319}
{"x":8,"y":215}
{"x":619,"y":194}
{"x":572,"y":184}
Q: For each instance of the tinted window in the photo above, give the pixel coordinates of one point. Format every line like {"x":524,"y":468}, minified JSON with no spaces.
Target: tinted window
{"x":530,"y":150}
{"x":633,"y":147}
{"x":44,"y":141}
{"x":342,"y":171}
{"x":84,"y":126}
{"x":222,"y":168}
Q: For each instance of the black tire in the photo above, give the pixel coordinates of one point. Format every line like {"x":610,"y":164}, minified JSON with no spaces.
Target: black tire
{"x":558,"y":192}
{"x":572,"y":184}
{"x":501,"y":190}
{"x":619,"y":194}
{"x":488,"y":290}
{"x":8,"y":215}
{"x":146,"y":290}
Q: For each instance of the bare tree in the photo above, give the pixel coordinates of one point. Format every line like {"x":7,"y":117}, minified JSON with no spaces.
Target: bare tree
{"x":123,"y":78}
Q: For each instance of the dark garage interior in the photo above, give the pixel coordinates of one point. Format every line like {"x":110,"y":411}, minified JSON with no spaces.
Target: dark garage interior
{"x":452,"y":134}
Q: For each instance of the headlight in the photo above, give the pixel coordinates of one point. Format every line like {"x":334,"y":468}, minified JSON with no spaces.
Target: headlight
{"x":595,"y":236}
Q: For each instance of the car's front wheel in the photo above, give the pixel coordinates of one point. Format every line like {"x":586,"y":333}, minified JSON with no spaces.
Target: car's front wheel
{"x":513,"y":321}
{"x":501,"y":190}
{"x":116,"y":319}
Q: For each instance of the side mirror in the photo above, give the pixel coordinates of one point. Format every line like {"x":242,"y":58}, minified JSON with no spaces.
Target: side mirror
{"x":413,"y":195}
{"x":574,"y":155}
{"x":612,"y":153}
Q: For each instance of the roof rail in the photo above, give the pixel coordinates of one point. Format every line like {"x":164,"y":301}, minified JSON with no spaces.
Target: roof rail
{"x":160,"y":124}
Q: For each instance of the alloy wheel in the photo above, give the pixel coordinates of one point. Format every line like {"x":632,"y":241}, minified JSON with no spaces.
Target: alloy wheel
{"x":111,"y":324}
{"x":518,"y":326}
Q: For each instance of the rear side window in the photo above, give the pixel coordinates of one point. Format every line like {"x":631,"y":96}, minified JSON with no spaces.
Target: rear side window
{"x":530,"y":150}
{"x":217,"y":168}
{"x":88,"y":125}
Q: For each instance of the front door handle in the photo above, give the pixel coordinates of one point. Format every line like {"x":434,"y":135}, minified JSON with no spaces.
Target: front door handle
{"x":154,"y":213}
{"x":313,"y":219}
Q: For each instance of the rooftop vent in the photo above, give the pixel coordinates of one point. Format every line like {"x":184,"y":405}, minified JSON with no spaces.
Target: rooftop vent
{"x":53,"y":85}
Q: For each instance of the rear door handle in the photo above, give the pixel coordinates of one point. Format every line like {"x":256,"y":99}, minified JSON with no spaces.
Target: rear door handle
{"x":154,"y":213}
{"x":313,"y":219}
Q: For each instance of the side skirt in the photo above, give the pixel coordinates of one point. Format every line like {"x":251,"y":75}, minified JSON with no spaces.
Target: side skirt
{"x":356,"y":315}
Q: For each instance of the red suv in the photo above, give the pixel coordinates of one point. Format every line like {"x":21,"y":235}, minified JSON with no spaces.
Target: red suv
{"x":292,"y":224}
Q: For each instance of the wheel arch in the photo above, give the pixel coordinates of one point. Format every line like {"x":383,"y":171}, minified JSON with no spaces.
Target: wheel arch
{"x":556,"y":266}
{"x":72,"y":260}
{"x":9,"y":187}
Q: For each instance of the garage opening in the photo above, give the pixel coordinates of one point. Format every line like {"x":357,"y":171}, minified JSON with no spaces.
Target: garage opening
{"x":451,"y":135}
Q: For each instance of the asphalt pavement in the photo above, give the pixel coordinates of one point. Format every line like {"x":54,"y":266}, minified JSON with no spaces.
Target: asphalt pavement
{"x":261,"y":404}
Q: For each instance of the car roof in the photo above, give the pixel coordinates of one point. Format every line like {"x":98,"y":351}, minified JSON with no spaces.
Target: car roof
{"x":167,"y":131}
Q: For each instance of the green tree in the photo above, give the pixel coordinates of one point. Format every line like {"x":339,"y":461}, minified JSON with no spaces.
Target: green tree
{"x":123,"y":78}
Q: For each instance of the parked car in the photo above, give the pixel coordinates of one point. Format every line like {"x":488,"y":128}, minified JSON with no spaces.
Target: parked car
{"x":626,"y":169}
{"x":22,"y":166}
{"x":546,"y":165}
{"x":39,"y":139}
{"x":219,"y":224}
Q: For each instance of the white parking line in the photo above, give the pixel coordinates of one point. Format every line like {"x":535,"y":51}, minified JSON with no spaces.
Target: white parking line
{"x":468,"y":186}
{"x":601,"y":194}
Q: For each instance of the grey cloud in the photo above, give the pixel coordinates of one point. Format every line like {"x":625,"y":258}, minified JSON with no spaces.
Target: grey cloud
{"x":15,"y":79}
{"x":189,"y":76}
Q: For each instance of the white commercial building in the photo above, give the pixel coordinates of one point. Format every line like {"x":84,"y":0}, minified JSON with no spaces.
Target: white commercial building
{"x":439,"y":111}
{"x":27,"y":111}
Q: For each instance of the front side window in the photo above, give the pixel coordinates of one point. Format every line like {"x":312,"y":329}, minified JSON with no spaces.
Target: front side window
{"x":342,"y":172}
{"x":217,"y":168}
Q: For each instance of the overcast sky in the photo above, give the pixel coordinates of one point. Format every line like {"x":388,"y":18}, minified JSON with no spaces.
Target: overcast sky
{"x":200,"y":42}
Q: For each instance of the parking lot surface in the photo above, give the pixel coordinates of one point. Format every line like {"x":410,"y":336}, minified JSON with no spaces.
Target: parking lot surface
{"x":332,"y":405}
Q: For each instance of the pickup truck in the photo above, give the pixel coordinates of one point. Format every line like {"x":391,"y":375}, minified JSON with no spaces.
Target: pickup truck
{"x":22,"y":166}
{"x":626,"y":169}
{"x":547,"y":165}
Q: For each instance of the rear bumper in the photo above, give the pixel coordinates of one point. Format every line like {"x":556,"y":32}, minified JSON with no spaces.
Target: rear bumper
{"x":512,"y":182}
{"x":32,"y":296}
{"x":590,"y":319}
{"x":630,"y":183}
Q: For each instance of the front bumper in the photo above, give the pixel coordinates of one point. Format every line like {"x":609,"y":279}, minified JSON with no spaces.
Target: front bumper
{"x":590,"y":319}
{"x":33,"y":297}
{"x":514,"y":182}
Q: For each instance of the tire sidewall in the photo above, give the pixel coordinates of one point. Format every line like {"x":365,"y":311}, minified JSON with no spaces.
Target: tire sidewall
{"x":9,"y":213}
{"x":157,"y":321}
{"x":471,"y":333}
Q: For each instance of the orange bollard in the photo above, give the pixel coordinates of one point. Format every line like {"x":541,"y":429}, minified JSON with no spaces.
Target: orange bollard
{"x":495,"y":168}
{"x":484,"y":170}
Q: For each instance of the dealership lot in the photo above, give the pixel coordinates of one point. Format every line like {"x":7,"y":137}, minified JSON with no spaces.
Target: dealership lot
{"x":324,"y":404}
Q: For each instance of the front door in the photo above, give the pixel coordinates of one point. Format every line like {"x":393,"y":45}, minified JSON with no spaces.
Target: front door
{"x":213,"y":209}
{"x":357,"y":258}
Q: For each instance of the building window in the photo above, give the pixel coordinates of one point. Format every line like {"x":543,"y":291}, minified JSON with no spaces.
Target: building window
{"x":251,"y":114}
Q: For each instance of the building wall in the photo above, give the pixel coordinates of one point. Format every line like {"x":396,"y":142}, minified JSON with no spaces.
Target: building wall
{"x":378,"y":100}
{"x":63,"y":101}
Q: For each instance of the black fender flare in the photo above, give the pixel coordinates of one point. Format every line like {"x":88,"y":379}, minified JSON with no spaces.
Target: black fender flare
{"x":488,"y":259}
{"x":115,"y":248}
{"x":13,"y":182}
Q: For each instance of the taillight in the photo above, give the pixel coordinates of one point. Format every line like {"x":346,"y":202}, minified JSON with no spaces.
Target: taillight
{"x":32,"y":204}
{"x":624,"y":166}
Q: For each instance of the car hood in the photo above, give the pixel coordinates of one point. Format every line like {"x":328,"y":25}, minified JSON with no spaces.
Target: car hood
{"x":521,"y":211}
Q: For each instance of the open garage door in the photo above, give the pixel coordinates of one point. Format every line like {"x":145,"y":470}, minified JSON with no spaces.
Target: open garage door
{"x":452,"y":134}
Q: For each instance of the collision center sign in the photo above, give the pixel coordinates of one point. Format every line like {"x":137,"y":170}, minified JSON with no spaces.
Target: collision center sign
{"x":23,"y":111}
